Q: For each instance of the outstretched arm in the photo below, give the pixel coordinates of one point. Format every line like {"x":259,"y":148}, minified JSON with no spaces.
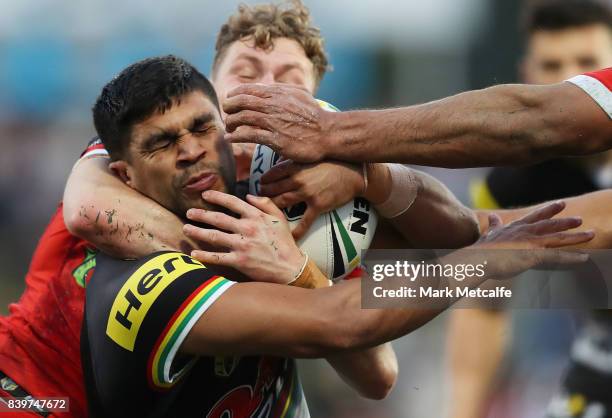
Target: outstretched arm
{"x":593,"y":208}
{"x":101,"y":209}
{"x":501,"y":125}
{"x":322,"y":322}
{"x":422,"y":209}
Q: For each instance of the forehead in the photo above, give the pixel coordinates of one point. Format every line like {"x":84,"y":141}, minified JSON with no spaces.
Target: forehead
{"x":284,"y":51}
{"x":177,"y":117}
{"x":591,"y":39}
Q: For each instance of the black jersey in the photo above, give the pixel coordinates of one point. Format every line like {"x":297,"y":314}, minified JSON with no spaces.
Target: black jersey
{"x":508,"y":187}
{"x":137,"y":314}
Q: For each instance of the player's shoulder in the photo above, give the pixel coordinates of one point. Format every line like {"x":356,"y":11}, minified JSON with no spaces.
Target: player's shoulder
{"x":144,"y":275}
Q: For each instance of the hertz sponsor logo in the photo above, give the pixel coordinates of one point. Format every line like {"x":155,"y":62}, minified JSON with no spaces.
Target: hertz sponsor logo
{"x":139,"y":293}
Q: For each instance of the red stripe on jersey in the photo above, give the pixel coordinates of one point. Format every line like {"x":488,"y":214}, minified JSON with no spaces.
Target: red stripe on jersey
{"x":604,"y":76}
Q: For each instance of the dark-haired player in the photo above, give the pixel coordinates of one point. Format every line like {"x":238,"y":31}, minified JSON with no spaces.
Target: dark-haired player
{"x":39,"y":339}
{"x":149,"y":321}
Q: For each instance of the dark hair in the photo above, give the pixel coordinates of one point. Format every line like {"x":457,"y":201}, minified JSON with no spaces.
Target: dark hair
{"x":554,"y":15}
{"x":147,"y":86}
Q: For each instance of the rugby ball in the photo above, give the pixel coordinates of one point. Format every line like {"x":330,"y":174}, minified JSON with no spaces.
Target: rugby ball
{"x":337,"y":238}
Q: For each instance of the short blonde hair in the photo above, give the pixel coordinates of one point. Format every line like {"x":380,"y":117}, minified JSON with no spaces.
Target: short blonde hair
{"x":265,"y":22}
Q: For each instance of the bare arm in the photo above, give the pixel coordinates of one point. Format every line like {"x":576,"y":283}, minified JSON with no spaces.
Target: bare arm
{"x":371,"y":372}
{"x":261,"y":318}
{"x":593,"y":208}
{"x":436,"y":218}
{"x":501,"y":125}
{"x":101,"y":209}
{"x":307,"y":323}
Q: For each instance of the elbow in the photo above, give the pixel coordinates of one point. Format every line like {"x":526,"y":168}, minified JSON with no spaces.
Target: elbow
{"x":76,"y":221}
{"x":382,"y":382}
{"x":470,"y":227}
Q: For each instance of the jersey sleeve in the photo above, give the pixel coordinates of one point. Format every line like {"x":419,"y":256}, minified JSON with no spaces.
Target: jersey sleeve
{"x":598,"y":85}
{"x":137,"y":315}
{"x":94,"y":147}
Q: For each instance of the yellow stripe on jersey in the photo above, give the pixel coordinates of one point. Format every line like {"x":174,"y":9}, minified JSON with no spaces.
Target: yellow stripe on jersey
{"x":140,"y":291}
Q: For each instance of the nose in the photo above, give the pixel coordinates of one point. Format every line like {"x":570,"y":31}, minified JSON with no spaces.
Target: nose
{"x":190,"y":150}
{"x":267,"y":78}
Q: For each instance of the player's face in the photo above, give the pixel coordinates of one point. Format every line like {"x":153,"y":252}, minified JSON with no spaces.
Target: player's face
{"x":175,"y":156}
{"x":554,"y":56}
{"x":242,"y":63}
{"x":285,"y":62}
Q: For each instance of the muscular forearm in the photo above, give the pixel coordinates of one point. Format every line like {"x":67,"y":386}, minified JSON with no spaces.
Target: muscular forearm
{"x":101,"y":209}
{"x":501,"y":125}
{"x":437,"y":219}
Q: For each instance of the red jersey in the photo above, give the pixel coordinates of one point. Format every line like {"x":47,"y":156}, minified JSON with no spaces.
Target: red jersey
{"x":40,"y":339}
{"x":598,"y":85}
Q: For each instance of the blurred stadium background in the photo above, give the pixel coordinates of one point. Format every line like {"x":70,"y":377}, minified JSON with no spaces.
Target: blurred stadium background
{"x":56,"y":54}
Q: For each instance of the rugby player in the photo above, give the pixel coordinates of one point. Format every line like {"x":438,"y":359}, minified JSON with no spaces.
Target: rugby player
{"x":564,"y":38}
{"x":148,"y":320}
{"x":39,"y":340}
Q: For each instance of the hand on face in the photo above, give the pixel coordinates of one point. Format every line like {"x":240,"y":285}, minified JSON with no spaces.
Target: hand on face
{"x":285,"y":118}
{"x":259,"y":243}
{"x":323,"y":186}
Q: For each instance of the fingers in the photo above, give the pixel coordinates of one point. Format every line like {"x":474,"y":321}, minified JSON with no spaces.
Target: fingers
{"x":545,"y":212}
{"x":252,"y":135}
{"x":229,"y":202}
{"x":281,"y":170}
{"x":548,"y":226}
{"x":244,"y":102}
{"x":217,"y":219}
{"x":210,"y":236}
{"x":279,"y":187}
{"x":212,"y":258}
{"x":307,"y":220}
{"x":264,"y":90}
{"x":552,"y":257}
{"x":245,"y":117}
{"x":252,"y":89}
{"x":266,"y":205}
{"x":288,"y":199}
{"x":563,"y":239}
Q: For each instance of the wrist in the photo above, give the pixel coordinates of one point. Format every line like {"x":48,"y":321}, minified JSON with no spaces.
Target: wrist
{"x":378,"y":187}
{"x":310,"y":277}
{"x":296,"y":266}
{"x":338,"y":134}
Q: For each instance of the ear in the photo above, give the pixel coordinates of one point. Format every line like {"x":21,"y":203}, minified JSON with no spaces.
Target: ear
{"x":122,"y":170}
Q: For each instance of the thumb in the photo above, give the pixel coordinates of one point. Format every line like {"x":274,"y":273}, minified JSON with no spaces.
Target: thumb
{"x":307,"y":220}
